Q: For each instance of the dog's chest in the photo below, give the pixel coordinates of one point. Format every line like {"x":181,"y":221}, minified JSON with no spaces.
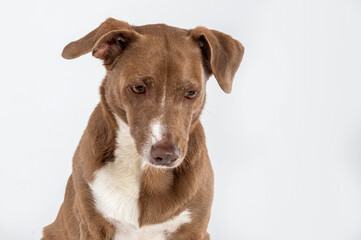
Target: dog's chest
{"x":115,"y":189}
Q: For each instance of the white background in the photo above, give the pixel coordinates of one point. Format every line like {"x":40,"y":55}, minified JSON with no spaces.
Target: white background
{"x":285,"y":145}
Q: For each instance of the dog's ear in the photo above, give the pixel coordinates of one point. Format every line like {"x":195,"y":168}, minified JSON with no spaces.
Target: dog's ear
{"x":222,"y":55}
{"x":106,"y":41}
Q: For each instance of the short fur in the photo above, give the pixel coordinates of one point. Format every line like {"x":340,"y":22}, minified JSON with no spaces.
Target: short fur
{"x":114,"y":191}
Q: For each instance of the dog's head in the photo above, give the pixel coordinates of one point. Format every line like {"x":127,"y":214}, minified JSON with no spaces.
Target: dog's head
{"x":156,"y":77}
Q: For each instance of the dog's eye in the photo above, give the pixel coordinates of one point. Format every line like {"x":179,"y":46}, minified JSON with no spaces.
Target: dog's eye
{"x":139,"y":89}
{"x":191,"y":94}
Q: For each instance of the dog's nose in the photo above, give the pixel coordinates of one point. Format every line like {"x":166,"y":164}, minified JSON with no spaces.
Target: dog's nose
{"x":164,"y":153}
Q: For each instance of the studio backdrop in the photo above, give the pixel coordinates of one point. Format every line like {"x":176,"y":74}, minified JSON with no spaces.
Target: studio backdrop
{"x":285,"y":145}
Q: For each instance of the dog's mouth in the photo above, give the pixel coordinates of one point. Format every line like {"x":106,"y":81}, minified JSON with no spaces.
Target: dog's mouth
{"x":173,"y":163}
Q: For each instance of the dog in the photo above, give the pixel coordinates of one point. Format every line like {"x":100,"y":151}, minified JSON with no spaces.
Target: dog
{"x":141,"y":170}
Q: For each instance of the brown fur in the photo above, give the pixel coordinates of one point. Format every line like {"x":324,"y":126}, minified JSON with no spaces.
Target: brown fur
{"x":159,"y":57}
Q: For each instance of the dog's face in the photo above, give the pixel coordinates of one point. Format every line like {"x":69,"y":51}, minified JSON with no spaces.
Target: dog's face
{"x":156,"y":77}
{"x":162,"y":90}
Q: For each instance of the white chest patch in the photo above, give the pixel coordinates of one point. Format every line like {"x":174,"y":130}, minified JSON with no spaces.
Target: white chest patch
{"x":116,"y":188}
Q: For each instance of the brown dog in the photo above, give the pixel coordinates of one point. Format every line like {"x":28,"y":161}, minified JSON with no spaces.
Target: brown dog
{"x":141,"y":170}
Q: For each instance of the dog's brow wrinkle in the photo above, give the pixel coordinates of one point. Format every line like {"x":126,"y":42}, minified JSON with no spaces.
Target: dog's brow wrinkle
{"x":163,"y":99}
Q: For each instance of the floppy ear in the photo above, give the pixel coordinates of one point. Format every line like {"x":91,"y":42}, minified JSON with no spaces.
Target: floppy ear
{"x":222,"y":55}
{"x":106,"y":41}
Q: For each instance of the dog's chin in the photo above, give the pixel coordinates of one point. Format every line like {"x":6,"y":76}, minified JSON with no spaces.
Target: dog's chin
{"x":155,"y":164}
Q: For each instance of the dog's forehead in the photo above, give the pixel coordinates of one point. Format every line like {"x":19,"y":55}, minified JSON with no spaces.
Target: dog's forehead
{"x":163,"y":41}
{"x":164,"y":52}
{"x":161,"y":29}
